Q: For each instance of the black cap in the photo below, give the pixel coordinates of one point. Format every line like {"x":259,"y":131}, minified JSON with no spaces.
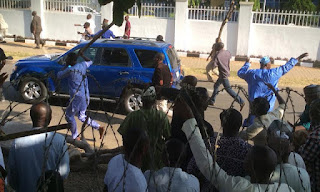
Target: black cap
{"x":3,"y":55}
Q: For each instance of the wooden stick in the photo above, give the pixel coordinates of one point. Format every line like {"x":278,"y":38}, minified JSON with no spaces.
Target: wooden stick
{"x":226,"y":19}
{"x":34,"y":132}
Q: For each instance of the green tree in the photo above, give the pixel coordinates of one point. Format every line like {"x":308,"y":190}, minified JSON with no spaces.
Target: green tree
{"x":256,"y":5}
{"x":194,"y":2}
{"x":120,"y":7}
{"x":300,"y":5}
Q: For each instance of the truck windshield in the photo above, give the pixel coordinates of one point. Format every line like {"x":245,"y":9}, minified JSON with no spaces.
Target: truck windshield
{"x":174,"y":60}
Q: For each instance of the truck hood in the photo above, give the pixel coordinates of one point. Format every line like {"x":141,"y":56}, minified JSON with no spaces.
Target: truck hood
{"x":46,"y":57}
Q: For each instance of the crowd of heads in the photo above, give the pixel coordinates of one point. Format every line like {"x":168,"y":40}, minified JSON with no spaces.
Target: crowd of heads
{"x":260,"y":161}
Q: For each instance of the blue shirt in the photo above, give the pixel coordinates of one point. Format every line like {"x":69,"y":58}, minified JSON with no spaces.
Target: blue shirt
{"x":26,"y":157}
{"x":134,"y":180}
{"x":106,"y":34}
{"x":77,"y":80}
{"x":256,"y":78}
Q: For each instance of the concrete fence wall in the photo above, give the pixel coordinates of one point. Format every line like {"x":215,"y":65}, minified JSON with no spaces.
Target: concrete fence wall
{"x":18,"y":21}
{"x":60,"y":25}
{"x":200,"y":35}
{"x":284,"y":41}
{"x":241,"y":37}
{"x":149,"y":27}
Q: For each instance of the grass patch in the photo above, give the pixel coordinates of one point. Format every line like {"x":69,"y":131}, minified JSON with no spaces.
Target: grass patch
{"x":19,"y":55}
{"x":202,"y":72}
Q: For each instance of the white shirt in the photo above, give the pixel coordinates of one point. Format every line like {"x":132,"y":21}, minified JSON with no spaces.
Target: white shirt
{"x":296,"y":160}
{"x":134,"y":180}
{"x":92,"y":25}
{"x":181,"y":181}
{"x":291,"y":177}
{"x":216,"y":175}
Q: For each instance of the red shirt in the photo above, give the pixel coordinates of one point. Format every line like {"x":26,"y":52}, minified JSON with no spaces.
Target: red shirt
{"x":127,"y":29}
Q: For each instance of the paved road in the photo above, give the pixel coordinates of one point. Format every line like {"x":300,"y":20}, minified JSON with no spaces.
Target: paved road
{"x":22,"y":122}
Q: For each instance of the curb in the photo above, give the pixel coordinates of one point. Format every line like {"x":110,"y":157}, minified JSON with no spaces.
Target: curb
{"x":315,"y":64}
{"x":48,"y":42}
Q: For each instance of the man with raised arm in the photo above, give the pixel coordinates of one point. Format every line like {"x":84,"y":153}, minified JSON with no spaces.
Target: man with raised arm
{"x":256,"y":79}
{"x":257,"y":131}
{"x":79,"y":92}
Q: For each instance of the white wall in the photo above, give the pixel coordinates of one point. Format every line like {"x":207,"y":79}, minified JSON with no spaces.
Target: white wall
{"x":284,"y":41}
{"x":18,"y":21}
{"x":60,"y":25}
{"x":202,"y":34}
{"x":196,"y":35}
{"x":149,"y":27}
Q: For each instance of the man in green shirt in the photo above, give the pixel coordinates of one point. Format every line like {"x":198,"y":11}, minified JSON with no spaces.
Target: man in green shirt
{"x":156,"y":124}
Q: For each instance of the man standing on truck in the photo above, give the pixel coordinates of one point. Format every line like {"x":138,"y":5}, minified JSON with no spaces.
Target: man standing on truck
{"x":127,"y":29}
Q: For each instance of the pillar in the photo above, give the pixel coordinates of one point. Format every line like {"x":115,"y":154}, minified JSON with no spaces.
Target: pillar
{"x":181,"y":18}
{"x":244,"y":28}
{"x":38,"y":6}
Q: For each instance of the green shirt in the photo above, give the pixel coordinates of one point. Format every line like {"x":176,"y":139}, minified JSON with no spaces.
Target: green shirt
{"x":304,"y":118}
{"x":158,"y":128}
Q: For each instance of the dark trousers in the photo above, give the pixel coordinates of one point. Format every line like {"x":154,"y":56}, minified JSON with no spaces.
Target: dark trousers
{"x":37,"y":38}
{"x":226,"y":85}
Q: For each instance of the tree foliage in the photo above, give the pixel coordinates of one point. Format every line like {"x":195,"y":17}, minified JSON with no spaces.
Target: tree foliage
{"x":256,"y":5}
{"x":300,"y":5}
{"x":198,"y":2}
{"x":120,"y":7}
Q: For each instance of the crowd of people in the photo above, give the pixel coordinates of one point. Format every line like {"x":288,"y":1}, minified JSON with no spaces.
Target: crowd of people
{"x":269,"y":154}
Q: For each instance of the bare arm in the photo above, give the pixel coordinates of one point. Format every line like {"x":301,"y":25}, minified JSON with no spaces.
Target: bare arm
{"x":83,"y":56}
{"x":302,"y":56}
{"x":3,"y":77}
{"x":279,"y":98}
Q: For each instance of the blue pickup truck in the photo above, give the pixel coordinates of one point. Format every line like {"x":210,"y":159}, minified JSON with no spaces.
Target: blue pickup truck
{"x":116,"y":63}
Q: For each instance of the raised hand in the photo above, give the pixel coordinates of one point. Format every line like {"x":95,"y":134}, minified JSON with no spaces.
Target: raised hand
{"x":182,"y":109}
{"x":269,"y":85}
{"x":302,"y":56}
{"x":3,"y":77}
